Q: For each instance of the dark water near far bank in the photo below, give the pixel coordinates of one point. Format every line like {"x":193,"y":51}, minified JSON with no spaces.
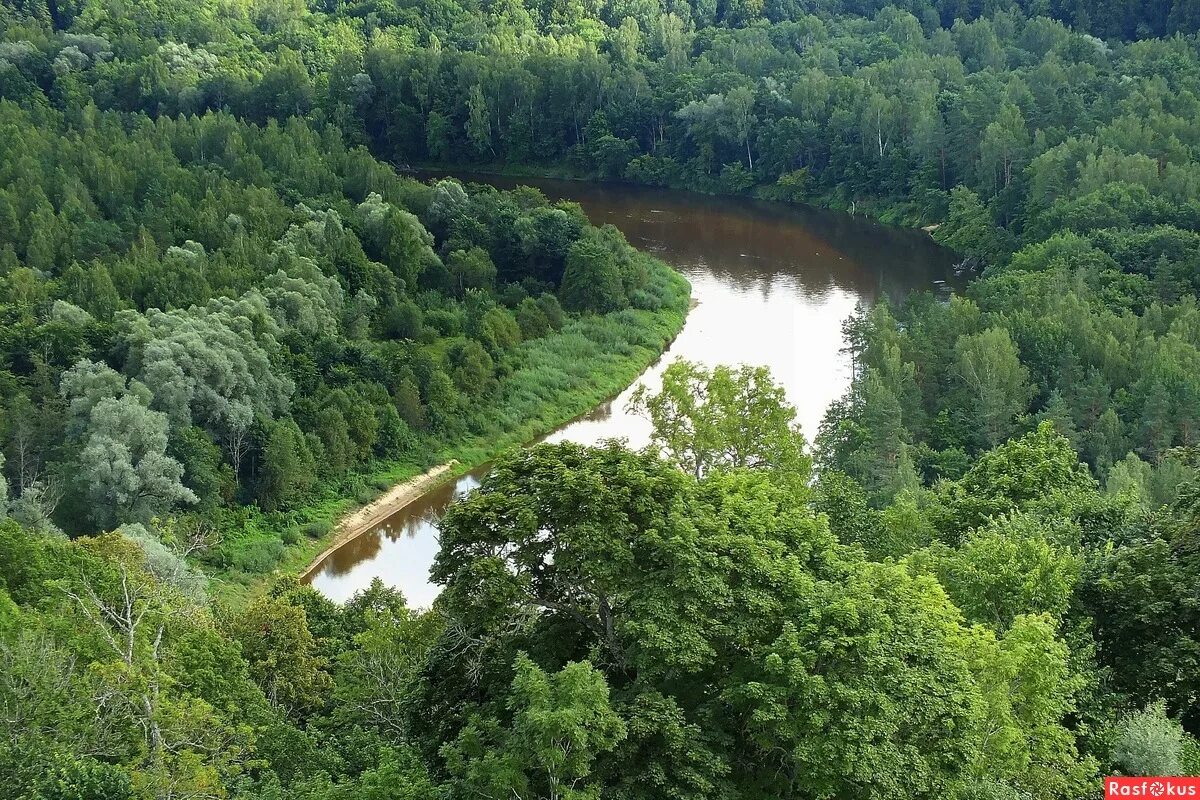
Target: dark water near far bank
{"x":773,"y":284}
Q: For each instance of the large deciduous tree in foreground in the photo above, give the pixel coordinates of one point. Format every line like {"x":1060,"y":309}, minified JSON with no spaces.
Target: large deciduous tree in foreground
{"x":747,"y":652}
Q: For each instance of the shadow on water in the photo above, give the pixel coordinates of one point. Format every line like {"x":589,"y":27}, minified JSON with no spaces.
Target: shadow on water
{"x":773,"y":284}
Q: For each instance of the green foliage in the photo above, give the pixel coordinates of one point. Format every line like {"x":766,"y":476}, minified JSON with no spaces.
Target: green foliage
{"x":1008,"y":568}
{"x":844,"y":502}
{"x":1028,"y":688}
{"x":560,"y":724}
{"x":270,"y":333}
{"x":182,"y":709}
{"x":219,"y":307}
{"x":1150,"y":743}
{"x":1140,"y":596}
{"x":700,"y":422}
{"x":288,"y":468}
{"x":255,"y":556}
{"x":124,"y":470}
{"x":592,"y":279}
{"x":317,"y":530}
{"x":969,"y":228}
{"x":729,"y":590}
{"x":1040,"y":469}
{"x":992,"y":373}
{"x":280,"y":653}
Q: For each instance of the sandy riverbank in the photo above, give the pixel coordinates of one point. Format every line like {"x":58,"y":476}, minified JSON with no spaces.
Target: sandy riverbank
{"x":363,"y":519}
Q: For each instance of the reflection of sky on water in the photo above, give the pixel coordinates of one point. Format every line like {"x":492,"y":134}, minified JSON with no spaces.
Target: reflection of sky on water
{"x":773,"y":285}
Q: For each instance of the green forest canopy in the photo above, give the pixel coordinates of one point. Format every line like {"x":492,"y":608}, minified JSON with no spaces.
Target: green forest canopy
{"x":222,"y":309}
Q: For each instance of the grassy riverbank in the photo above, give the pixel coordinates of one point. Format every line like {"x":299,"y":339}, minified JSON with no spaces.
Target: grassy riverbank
{"x":559,"y":377}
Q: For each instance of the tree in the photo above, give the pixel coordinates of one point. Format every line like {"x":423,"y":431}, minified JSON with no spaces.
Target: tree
{"x":167,"y":566}
{"x":87,"y":383}
{"x":1027,"y":688}
{"x":531,"y":319}
{"x":879,"y":462}
{"x":724,"y":600}
{"x":990,"y":368}
{"x":303,"y":300}
{"x":47,"y":699}
{"x":95,"y":292}
{"x":404,"y":321}
{"x":1131,"y":477}
{"x":287,"y":468}
{"x":821,"y":673}
{"x":479,"y":125}
{"x":1007,"y":569}
{"x":1140,"y":598}
{"x":1150,"y":743}
{"x":3,"y":491}
{"x":471,"y":368}
{"x":397,"y":238}
{"x":878,"y":118}
{"x":970,"y":229}
{"x":1002,"y":150}
{"x":1037,"y":472}
{"x":851,"y":517}
{"x":210,"y":365}
{"x":724,"y":419}
{"x":285,"y":89}
{"x":204,"y":469}
{"x":124,"y":468}
{"x":437,"y":136}
{"x":561,"y":723}
{"x":472,"y":269}
{"x":740,"y":106}
{"x":184,"y":745}
{"x":378,"y":675}
{"x":281,"y":653}
{"x":591,"y":280}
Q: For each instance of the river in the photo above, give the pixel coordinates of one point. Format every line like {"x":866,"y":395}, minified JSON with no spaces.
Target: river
{"x":772,"y":286}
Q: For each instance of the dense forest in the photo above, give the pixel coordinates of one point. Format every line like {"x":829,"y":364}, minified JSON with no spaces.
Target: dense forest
{"x":225,"y":312}
{"x":202,"y":314}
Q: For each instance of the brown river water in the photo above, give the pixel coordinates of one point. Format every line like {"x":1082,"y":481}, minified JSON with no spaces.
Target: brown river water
{"x":772,"y":286}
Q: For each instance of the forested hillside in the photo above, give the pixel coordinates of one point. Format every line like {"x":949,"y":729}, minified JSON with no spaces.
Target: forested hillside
{"x":887,"y":105}
{"x":201,"y":314}
{"x":224,"y":313}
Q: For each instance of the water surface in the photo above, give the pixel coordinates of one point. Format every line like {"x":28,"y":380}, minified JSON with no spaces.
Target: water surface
{"x":773,"y":285}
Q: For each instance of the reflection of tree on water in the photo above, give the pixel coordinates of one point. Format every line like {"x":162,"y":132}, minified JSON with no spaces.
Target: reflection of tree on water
{"x":417,"y":520}
{"x":355,"y":551}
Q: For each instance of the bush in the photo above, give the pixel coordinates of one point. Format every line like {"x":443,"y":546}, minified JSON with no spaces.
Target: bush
{"x":291,"y":535}
{"x":382,"y":485}
{"x":257,"y":555}
{"x":645,"y":300}
{"x":365,"y":496}
{"x":318,"y":529}
{"x":1150,"y":743}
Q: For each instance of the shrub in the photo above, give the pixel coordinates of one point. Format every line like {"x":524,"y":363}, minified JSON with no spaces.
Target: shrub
{"x":257,"y":555}
{"x":318,"y":529}
{"x":1150,"y":743}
